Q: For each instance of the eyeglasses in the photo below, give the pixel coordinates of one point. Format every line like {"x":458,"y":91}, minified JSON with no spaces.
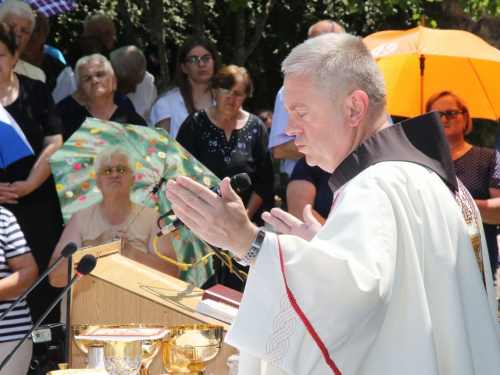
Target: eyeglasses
{"x":196,"y":60}
{"x":227,"y":93}
{"x":450,"y":115}
{"x":108,"y":170}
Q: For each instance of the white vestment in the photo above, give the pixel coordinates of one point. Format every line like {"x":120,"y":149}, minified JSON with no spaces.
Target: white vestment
{"x":390,"y":285}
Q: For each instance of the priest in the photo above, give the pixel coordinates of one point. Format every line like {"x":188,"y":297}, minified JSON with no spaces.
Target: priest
{"x":395,"y":282}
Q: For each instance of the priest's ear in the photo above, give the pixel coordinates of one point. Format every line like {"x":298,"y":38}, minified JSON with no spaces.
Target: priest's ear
{"x":357,"y":103}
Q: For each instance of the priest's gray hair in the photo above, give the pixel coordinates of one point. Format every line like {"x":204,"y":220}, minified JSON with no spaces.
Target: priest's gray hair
{"x":338,"y":65}
{"x":87,"y":59}
{"x":104,"y":157}
{"x":128,"y":59}
{"x":19,"y":8}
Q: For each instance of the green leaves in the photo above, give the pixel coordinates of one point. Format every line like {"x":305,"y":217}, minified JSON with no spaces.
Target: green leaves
{"x":234,"y":5}
{"x":285,"y":27}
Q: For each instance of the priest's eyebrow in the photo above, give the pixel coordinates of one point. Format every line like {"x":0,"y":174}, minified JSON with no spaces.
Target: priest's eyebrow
{"x":295,"y":106}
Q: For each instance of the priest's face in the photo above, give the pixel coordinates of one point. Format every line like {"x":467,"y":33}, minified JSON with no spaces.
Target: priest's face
{"x":319,"y":126}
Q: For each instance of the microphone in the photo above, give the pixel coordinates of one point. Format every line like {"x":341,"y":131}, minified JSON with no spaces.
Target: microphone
{"x":158,"y":186}
{"x":239,"y":183}
{"x":85,"y":266}
{"x":68,"y":251}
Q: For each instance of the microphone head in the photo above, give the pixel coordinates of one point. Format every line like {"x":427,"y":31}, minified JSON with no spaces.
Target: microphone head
{"x":86,"y":264}
{"x":69,"y":250}
{"x":240,"y":182}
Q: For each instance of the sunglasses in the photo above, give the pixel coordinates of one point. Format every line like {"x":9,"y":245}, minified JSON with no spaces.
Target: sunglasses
{"x":450,"y":115}
{"x":196,"y":60}
{"x":119,"y":169}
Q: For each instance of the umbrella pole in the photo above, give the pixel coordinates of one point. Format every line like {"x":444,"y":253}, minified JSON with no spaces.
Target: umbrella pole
{"x":152,"y":192}
{"x":138,"y":210}
{"x":422,"y":70}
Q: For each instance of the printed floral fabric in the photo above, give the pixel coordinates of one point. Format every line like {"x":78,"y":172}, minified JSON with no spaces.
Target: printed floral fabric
{"x":155,"y":154}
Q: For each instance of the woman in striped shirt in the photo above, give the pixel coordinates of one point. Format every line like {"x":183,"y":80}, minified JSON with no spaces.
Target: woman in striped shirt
{"x":18,"y":270}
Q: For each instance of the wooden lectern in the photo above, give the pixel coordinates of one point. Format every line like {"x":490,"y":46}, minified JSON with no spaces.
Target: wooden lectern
{"x":122,"y":291}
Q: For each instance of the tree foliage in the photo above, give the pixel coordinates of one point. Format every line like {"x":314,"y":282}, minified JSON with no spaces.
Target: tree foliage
{"x":255,"y":33}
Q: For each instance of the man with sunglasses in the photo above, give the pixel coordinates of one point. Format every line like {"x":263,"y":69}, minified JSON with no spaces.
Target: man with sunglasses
{"x":390,"y":284}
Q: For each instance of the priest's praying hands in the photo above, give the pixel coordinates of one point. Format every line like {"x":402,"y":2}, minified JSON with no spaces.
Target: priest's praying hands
{"x":289,"y":224}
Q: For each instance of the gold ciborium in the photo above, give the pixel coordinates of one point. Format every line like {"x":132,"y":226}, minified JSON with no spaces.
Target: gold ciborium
{"x":196,"y":344}
{"x":122,"y":357}
{"x":172,"y":363}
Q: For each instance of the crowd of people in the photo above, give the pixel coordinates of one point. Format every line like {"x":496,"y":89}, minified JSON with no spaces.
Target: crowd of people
{"x":50,"y":96}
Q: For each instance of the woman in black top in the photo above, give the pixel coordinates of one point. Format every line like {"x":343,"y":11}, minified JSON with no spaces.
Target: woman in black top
{"x":96,"y":79}
{"x":229,"y":140}
{"x":27,"y":187}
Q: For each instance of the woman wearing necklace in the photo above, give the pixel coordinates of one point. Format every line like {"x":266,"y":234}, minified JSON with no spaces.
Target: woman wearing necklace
{"x":228,"y":140}
{"x":96,"y":79}
{"x":477,"y":167}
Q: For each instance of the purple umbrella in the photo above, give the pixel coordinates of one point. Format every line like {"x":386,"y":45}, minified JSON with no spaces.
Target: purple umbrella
{"x":51,"y":7}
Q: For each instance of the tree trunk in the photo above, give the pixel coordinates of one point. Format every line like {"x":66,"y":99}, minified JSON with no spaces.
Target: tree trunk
{"x":154,"y":14}
{"x":239,"y":40}
{"x":241,"y":53}
{"x":123,"y":10}
{"x":198,"y":17}
{"x":259,"y":28}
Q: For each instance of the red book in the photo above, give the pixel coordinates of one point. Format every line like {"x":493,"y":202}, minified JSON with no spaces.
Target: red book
{"x":223,"y":294}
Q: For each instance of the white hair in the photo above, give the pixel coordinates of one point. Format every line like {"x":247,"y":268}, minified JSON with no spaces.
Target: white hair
{"x":128,"y":59}
{"x":88,"y":20}
{"x":338,"y":64}
{"x":87,"y":59}
{"x":104,"y":157}
{"x":19,"y":8}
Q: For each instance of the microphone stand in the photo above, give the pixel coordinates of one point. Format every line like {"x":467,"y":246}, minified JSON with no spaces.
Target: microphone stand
{"x":151,"y":193}
{"x":40,"y":278}
{"x":67,"y":331}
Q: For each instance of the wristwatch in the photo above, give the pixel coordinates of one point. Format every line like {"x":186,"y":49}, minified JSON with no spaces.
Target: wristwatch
{"x":254,"y":249}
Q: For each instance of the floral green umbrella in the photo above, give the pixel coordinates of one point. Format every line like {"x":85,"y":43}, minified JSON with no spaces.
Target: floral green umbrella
{"x":156,"y":155}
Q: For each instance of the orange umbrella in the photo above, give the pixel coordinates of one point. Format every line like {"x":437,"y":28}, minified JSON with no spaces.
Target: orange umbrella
{"x":419,"y":62}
